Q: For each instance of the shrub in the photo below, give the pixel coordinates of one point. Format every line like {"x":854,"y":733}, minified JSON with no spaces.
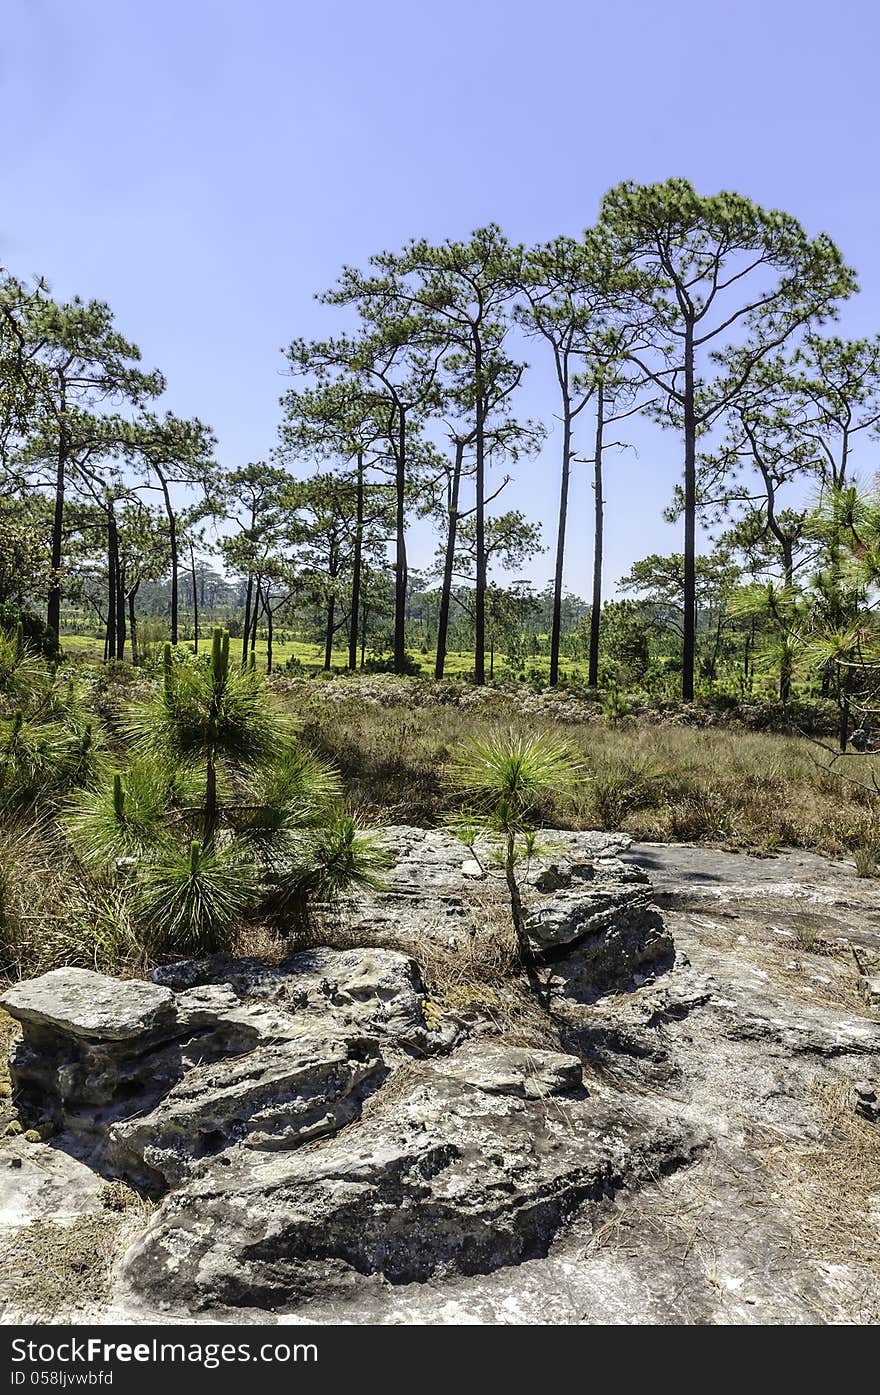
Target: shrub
{"x":218,"y":797}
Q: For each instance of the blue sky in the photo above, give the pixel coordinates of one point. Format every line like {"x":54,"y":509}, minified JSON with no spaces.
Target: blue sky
{"x":207,"y":165}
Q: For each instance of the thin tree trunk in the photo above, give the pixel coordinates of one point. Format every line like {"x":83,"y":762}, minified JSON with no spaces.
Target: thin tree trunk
{"x":132,"y":626}
{"x":480,"y":522}
{"x":120,"y":607}
{"x":843,"y":730}
{"x":598,"y":542}
{"x":53,"y":602}
{"x":328,"y":638}
{"x":364,"y":614}
{"x":175,"y":561}
{"x":195,"y":591}
{"x":449,"y":562}
{"x":689,"y":645}
{"x":112,"y":588}
{"x":526,"y":953}
{"x":356,"y":566}
{"x":210,"y":802}
{"x":269,"y":626}
{"x":247,"y":619}
{"x":255,"y":619}
{"x":556,"y":618}
{"x":400,"y":577}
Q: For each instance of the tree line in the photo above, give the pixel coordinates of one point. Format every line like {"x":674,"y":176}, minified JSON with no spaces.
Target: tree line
{"x":706,"y":315}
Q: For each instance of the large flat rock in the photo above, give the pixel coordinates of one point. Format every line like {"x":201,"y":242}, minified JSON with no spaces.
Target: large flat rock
{"x":465,"y":1172}
{"x":80,"y":1003}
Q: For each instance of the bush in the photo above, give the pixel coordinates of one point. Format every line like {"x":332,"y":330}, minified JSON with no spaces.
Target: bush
{"x":38,"y":638}
{"x":411,"y":666}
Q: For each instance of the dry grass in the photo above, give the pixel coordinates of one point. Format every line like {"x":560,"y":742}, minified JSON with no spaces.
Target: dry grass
{"x":56,"y":1267}
{"x":832,"y":1188}
{"x":658,"y":781}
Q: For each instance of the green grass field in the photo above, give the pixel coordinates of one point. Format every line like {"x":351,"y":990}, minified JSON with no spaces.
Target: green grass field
{"x":311,"y":656}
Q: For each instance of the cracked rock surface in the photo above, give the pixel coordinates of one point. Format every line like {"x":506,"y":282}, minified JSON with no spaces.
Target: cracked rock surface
{"x":701,"y":1146}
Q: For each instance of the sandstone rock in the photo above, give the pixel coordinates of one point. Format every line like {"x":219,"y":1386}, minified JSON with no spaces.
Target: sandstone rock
{"x":462,"y":1173}
{"x":599,"y":936}
{"x":276,"y":1096}
{"x":569,"y":916}
{"x":461,"y":1166}
{"x":79,"y":1003}
{"x":304,"y":1038}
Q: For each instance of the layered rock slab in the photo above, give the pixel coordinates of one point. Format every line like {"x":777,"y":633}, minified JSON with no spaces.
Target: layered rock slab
{"x":266,"y":1057}
{"x":469,"y":1169}
{"x":590,"y":916}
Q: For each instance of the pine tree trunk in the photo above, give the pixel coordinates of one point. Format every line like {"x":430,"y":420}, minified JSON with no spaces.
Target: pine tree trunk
{"x":689,"y":646}
{"x":449,"y":562}
{"x":400,"y":575}
{"x":255,"y":618}
{"x":173,"y":546}
{"x":53,"y":602}
{"x":480,"y":524}
{"x":356,"y":567}
{"x":247,"y":619}
{"x":328,"y":637}
{"x":598,"y":543}
{"x":195,"y":591}
{"x":526,"y":953}
{"x":556,"y":618}
{"x":112,"y":588}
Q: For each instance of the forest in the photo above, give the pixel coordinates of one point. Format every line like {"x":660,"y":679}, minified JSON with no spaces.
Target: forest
{"x":155,"y":602}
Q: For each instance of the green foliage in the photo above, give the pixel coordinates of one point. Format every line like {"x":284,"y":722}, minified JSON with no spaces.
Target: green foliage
{"x":341,"y":856}
{"x":504,"y":778}
{"x":221,"y":813}
{"x":189,"y":901}
{"x":123,"y":817}
{"x":37,"y":637}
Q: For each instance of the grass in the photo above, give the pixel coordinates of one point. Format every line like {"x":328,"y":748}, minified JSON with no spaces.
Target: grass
{"x":831,"y":1187}
{"x":311,"y":656}
{"x":56,"y":1267}
{"x":393,"y":738}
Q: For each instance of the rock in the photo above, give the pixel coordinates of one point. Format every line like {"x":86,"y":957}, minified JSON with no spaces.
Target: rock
{"x":865,"y":1101}
{"x":517,"y":1071}
{"x":274,"y":1097}
{"x":487,"y":1185}
{"x":599,"y":936}
{"x":557,"y":876}
{"x":467,"y":1171}
{"x":869,"y":987}
{"x":304,"y":1038}
{"x":79,"y":1003}
{"x":471,"y":868}
{"x":567,"y":917}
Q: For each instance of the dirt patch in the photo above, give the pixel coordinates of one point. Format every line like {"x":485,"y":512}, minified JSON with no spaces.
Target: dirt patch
{"x":54,"y":1266}
{"x":832,"y":1190}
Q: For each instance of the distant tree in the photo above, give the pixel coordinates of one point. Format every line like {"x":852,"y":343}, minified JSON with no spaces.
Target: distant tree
{"x":504,"y":438}
{"x":171,"y":452}
{"x":85,"y":365}
{"x":257,"y":502}
{"x":700,"y":345}
{"x":349,"y":425}
{"x":661,"y":581}
{"x":398,"y":355}
{"x":579,"y":299}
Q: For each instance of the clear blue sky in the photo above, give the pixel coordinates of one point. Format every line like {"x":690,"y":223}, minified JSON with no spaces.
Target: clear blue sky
{"x":207,"y":165}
